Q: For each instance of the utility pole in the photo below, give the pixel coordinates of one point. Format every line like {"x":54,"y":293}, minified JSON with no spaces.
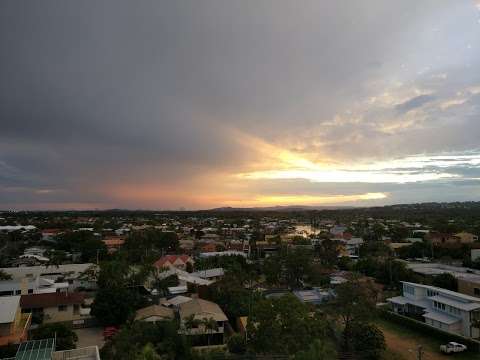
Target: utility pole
{"x":420,"y":352}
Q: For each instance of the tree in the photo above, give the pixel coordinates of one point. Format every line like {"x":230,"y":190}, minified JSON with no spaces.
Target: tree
{"x":210,"y":326}
{"x":236,"y":344}
{"x":4,"y":275}
{"x":191,"y":323}
{"x":230,"y":294}
{"x":92,"y":249}
{"x":117,"y":297}
{"x":56,"y":258}
{"x":148,"y":352}
{"x":132,"y":338}
{"x":113,"y":306}
{"x":283,"y":326}
{"x":328,"y":251}
{"x":319,"y":349}
{"x":368,"y":341}
{"x":272,"y":268}
{"x":445,"y":281}
{"x":298,"y":264}
{"x":146,"y":245}
{"x":65,"y":337}
{"x":354,"y":304}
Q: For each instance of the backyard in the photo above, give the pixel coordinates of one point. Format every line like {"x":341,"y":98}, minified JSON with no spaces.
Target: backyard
{"x":405,"y":341}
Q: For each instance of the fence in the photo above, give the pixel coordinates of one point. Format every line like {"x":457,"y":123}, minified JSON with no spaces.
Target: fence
{"x":86,"y":353}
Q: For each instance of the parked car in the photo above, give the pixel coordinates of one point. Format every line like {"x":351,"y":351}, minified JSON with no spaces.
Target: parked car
{"x":452,"y":347}
{"x":109,"y":332}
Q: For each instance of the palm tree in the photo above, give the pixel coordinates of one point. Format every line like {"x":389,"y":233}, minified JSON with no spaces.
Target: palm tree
{"x":148,"y":352}
{"x":190,"y":322}
{"x":210,"y":325}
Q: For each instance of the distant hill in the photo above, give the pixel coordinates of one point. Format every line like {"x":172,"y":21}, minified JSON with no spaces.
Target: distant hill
{"x":280,"y":208}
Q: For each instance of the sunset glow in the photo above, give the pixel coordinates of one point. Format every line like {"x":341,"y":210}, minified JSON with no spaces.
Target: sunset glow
{"x":214,"y":104}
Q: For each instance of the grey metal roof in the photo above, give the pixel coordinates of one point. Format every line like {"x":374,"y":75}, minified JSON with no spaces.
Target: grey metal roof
{"x":467,"y":306}
{"x":36,"y":350}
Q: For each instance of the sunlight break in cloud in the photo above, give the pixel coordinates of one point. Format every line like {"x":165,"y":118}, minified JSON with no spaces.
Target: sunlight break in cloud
{"x":282,"y":164}
{"x":306,"y":199}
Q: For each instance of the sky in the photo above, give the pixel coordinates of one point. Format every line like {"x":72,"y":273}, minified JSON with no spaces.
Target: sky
{"x":201,"y":104}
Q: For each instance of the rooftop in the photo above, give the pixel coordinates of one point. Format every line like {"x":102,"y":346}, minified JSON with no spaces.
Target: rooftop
{"x":154,"y":310}
{"x":433,"y":269}
{"x":454,"y":294}
{"x":36,"y":350}
{"x":202,"y":309}
{"x":34,"y":301}
{"x":21,"y":272}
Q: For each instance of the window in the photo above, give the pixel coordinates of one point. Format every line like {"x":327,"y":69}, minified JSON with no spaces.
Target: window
{"x":476,"y":291}
{"x":62,"y":307}
{"x":431,"y":293}
{"x":30,"y":291}
{"x":409,"y":289}
{"x":76,"y":309}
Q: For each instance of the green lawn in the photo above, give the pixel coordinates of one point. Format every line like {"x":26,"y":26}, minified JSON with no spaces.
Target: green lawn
{"x":430,"y":343}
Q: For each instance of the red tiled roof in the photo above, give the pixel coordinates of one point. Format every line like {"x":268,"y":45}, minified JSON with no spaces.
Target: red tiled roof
{"x":171,"y":259}
{"x":112,"y":241}
{"x":51,"y":231}
{"x":34,"y":301}
{"x":209,"y":248}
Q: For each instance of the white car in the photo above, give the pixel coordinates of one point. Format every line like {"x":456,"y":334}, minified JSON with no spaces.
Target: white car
{"x":452,"y":347}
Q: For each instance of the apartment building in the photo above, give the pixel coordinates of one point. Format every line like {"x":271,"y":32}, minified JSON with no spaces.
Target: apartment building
{"x":440,"y":308}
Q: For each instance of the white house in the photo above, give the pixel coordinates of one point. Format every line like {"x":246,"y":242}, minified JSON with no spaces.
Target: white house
{"x":444,"y":309}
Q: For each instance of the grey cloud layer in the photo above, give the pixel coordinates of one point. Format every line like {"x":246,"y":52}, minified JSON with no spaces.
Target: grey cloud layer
{"x":101,"y":91}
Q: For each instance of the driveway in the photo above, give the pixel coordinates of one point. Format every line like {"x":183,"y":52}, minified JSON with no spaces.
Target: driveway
{"x":90,"y":337}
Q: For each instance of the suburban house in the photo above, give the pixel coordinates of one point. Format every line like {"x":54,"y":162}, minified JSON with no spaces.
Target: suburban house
{"x":210,"y":274}
{"x":113,"y":243}
{"x":14,"y":325}
{"x":31,"y":286}
{"x":315,"y":296}
{"x":223,"y":253}
{"x":209,"y":247}
{"x":194,"y":316}
{"x":76,"y":275}
{"x":466,"y":237}
{"x":468,"y":279}
{"x":57,"y":307}
{"x":438,"y":238}
{"x":49,"y":234}
{"x":338,"y":230}
{"x":154,"y":313}
{"x":174,"y":261}
{"x":443,"y":309}
{"x":350,"y":247}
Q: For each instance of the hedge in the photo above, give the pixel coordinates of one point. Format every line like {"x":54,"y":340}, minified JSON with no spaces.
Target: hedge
{"x":413,"y":324}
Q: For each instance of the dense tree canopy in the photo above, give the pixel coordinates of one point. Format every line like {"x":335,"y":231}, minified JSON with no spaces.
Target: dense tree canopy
{"x":65,"y":337}
{"x":132,"y":340}
{"x":284,"y":326}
